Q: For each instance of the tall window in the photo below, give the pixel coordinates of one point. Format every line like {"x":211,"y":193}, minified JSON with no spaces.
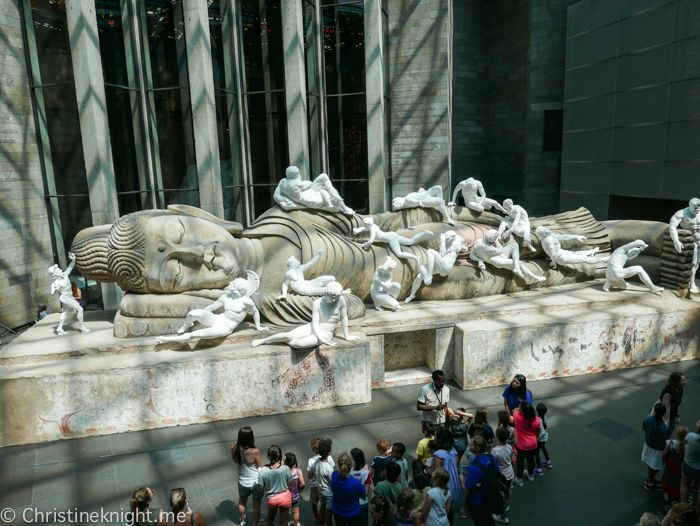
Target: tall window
{"x":387,"y":106}
{"x":263,"y":57}
{"x":123,"y":94}
{"x":346,"y":111}
{"x":313,"y":62}
{"x":58,"y":125}
{"x":222,"y":33}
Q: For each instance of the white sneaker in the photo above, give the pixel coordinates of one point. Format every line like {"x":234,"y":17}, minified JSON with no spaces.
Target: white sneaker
{"x":530,"y":477}
{"x":498,"y":518}
{"x":518,"y":482}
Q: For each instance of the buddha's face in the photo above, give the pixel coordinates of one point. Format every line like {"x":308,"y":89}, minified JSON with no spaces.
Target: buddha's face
{"x":188,"y":253}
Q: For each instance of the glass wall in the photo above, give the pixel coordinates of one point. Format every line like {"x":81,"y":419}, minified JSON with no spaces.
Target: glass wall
{"x":263,"y":63}
{"x":346,"y":110}
{"x":58,"y":125}
{"x":222,"y":36}
{"x":387,"y":106}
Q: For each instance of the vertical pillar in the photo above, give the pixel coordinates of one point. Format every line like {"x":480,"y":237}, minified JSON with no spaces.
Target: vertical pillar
{"x":92,"y":112}
{"x":374,"y":67}
{"x":203,"y":98}
{"x":295,"y":85}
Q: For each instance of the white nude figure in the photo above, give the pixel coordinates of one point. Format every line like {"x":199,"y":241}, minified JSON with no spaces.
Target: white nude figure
{"x":236,"y":304}
{"x":326,"y":312}
{"x":552,"y":247}
{"x":61,"y":284}
{"x":294,"y":193}
{"x":489,"y":250}
{"x":430,"y":198}
{"x":616,"y":272}
{"x":294,"y":279}
{"x":516,"y":222}
{"x":394,"y":240}
{"x":688,"y":219}
{"x":383,"y":291}
{"x":474,"y":196}
{"x":438,"y":262}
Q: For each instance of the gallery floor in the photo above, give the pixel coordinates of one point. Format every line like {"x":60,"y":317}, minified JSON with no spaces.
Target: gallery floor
{"x":595,"y":444}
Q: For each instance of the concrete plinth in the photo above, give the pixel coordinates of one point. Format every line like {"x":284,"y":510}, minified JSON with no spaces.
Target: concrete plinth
{"x":111,"y":386}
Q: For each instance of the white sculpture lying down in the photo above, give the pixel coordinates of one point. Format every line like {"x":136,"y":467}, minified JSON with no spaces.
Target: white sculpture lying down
{"x":236,"y":304}
{"x":551,"y":244}
{"x":325,"y":315}
{"x":489,"y":250}
{"x":394,"y":240}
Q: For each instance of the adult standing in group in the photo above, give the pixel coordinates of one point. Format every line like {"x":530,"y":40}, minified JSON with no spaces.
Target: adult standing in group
{"x":445,"y":457}
{"x":527,"y":429}
{"x":515,"y":393}
{"x":347,"y":492}
{"x":671,"y":397}
{"x":247,"y":458}
{"x":433,"y":399}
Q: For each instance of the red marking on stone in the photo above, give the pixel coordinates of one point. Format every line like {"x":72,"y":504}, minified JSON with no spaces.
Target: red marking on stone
{"x":91,"y":430}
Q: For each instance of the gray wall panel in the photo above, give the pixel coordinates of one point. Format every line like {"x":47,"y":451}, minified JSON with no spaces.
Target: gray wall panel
{"x":684,"y":100}
{"x":590,"y":14}
{"x":596,"y":79}
{"x":687,"y":18}
{"x":640,"y":106}
{"x":644,"y":69}
{"x":631,"y":7}
{"x":586,"y":114}
{"x":681,"y":180}
{"x":683,"y":141}
{"x":581,"y":177}
{"x":596,"y":203}
{"x":587,"y":146}
{"x":637,"y":179}
{"x":649,"y":29}
{"x":599,"y":44}
{"x":686,"y":59}
{"x":639,"y":143}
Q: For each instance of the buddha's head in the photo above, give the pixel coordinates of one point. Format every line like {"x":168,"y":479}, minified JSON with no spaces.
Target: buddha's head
{"x":169,"y":251}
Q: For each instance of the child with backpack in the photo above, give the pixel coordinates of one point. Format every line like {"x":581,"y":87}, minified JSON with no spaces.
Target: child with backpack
{"x":486,"y":486}
{"x":542,"y":441}
{"x":421,"y":487}
{"x":673,"y":456}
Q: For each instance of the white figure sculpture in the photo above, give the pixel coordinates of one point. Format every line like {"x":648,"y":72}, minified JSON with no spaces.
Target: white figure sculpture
{"x":552,"y":247}
{"x":294,"y":279}
{"x":516,"y":222}
{"x":474,"y":196}
{"x":430,"y":198}
{"x":383,"y":291}
{"x":236,"y":304}
{"x":394,"y":240}
{"x":688,"y":219}
{"x":325,"y":314}
{"x":438,"y":262}
{"x":294,"y":193}
{"x":489,"y":250}
{"x":616,"y":272}
{"x":61,"y":284}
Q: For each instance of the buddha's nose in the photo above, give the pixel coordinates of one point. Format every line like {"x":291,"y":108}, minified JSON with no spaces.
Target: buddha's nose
{"x":194,"y":253}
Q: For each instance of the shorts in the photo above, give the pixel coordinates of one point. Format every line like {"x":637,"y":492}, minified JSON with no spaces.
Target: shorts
{"x":295,"y":502}
{"x":313,"y":497}
{"x":691,"y":473}
{"x":244,"y":492}
{"x":280,"y":500}
{"x":327,"y":501}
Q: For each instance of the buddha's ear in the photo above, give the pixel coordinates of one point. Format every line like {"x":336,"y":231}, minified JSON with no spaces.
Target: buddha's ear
{"x":232,"y":227}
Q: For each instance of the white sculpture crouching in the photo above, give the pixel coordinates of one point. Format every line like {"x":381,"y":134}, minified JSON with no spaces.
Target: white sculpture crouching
{"x":61,"y":284}
{"x":616,"y":272}
{"x":474,"y":196}
{"x":516,"y":222}
{"x":430,"y":198}
{"x":688,"y":219}
{"x":294,"y":193}
{"x":394,"y":240}
{"x":383,"y":291}
{"x":438,"y":262}
{"x":552,"y":247}
{"x":236,"y":304}
{"x":294,"y":279}
{"x":326,"y":313}
{"x":489,"y":250}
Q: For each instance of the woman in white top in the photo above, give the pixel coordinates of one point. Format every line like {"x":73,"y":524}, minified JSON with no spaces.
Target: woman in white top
{"x":438,"y":502}
{"x":247,"y":457}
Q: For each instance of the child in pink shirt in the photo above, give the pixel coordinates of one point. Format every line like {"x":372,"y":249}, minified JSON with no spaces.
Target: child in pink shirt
{"x":527,"y":429}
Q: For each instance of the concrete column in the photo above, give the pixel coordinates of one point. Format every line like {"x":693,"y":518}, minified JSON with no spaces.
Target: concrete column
{"x":202,"y":94}
{"x":295,"y":85}
{"x":92,"y":112}
{"x":374,"y":66}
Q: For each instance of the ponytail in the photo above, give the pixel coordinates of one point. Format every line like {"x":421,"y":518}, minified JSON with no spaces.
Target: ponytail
{"x":139,"y":502}
{"x":681,"y":433}
{"x":178,"y":500}
{"x":344,"y":465}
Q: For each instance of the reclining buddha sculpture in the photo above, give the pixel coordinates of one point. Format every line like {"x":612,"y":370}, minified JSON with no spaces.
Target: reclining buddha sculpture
{"x":172,"y":261}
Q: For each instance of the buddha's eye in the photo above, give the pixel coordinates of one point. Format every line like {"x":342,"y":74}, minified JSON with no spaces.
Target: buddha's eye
{"x":177,"y":233}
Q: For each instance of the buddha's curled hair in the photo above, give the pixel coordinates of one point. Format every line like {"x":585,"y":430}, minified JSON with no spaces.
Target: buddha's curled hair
{"x":91,"y":249}
{"x":126,"y":257}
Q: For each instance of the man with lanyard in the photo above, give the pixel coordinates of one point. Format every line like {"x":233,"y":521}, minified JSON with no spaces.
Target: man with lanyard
{"x":433,"y":399}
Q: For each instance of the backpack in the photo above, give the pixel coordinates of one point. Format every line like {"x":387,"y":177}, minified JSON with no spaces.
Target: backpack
{"x":495,"y":488}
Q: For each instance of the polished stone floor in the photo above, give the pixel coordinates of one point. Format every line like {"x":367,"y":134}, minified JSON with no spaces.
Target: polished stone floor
{"x":595,"y":444}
